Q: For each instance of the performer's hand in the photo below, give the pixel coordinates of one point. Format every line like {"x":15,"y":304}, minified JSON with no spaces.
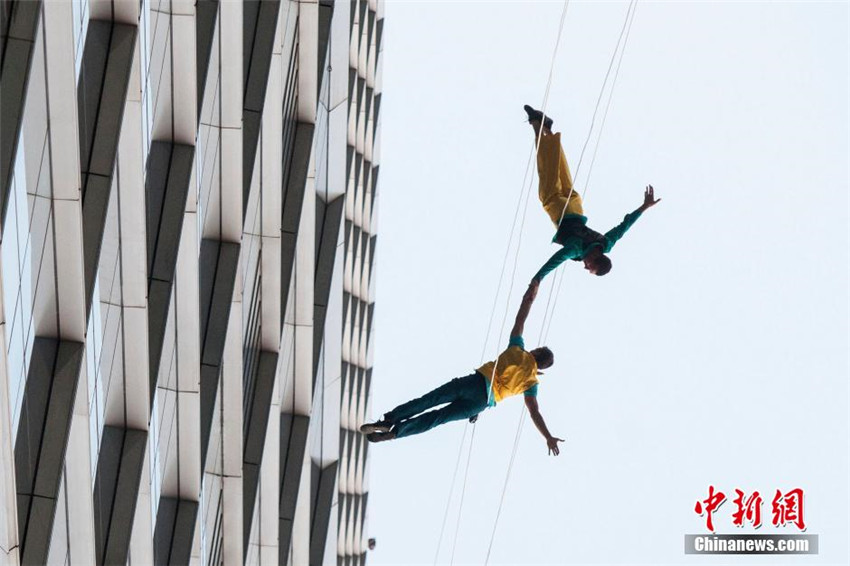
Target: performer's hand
{"x":552,"y":443}
{"x":649,"y":199}
{"x":473,"y":419}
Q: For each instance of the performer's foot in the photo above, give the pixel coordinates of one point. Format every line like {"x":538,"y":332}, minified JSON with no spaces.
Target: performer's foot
{"x":381,"y":437}
{"x":377,"y":426}
{"x":537,"y":115}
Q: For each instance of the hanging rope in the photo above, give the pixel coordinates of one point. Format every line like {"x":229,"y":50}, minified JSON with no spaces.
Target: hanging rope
{"x":524,"y":194}
{"x":623,"y":39}
{"x":451,"y":492}
{"x":554,"y":291}
{"x":627,"y":27}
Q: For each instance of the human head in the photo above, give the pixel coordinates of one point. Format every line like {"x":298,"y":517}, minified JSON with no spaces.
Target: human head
{"x":597,"y":264}
{"x":544,"y":357}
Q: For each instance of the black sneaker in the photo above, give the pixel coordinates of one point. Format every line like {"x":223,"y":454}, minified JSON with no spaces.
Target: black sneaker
{"x":536,"y":115}
{"x":381,"y":437}
{"x":377,"y":426}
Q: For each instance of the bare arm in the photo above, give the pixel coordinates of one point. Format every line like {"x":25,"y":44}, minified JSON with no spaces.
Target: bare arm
{"x":537,"y":418}
{"x":525,"y":308}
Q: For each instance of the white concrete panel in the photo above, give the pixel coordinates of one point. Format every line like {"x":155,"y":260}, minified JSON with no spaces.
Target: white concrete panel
{"x":253,"y":216}
{"x":167,"y":371}
{"x":271,"y":149}
{"x":337,"y":153}
{"x":213,"y":463}
{"x":65,"y":163}
{"x":286,"y":360}
{"x":231,"y":184}
{"x":183,"y":7}
{"x":232,"y":521}
{"x":33,"y":150}
{"x":188,"y":435}
{"x":62,"y":99}
{"x":57,"y":554}
{"x":44,"y":305}
{"x":184,"y":74}
{"x":160,"y":77}
{"x":269,"y":489}
{"x":209,"y":202}
{"x":308,"y":61}
{"x":230,"y":46}
{"x":363,"y":47}
{"x":333,"y":318}
{"x":345,"y":404}
{"x":346,"y":338}
{"x":79,"y":478}
{"x":330,"y":422}
{"x":136,"y":367}
{"x":207,"y":513}
{"x":212,"y":94}
{"x":352,"y":120}
{"x":270,"y":294}
{"x":353,"y":51}
{"x":67,"y":218}
{"x":186,"y":301}
{"x":231,"y":394}
{"x":112,"y":369}
{"x":141,"y":538}
{"x":131,"y":206}
{"x":342,"y":534}
{"x":367,"y":149}
{"x":330,"y":554}
{"x":340,"y":27}
{"x":125,"y":12}
{"x":167,"y":448}
{"x":300,"y":545}
{"x":8,"y":499}
{"x":192,"y":196}
{"x":304,"y":299}
{"x":100,"y":9}
{"x":269,"y":555}
{"x":373,"y":215}
{"x":252,"y":555}
{"x":379,"y":72}
{"x":371,"y":55}
{"x":195,"y":559}
{"x":358,"y":197}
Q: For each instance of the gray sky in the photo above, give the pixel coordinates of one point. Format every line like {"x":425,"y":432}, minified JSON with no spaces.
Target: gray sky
{"x":716,"y":350}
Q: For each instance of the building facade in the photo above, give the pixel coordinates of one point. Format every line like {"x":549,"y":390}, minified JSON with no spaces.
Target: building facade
{"x":189,"y":195}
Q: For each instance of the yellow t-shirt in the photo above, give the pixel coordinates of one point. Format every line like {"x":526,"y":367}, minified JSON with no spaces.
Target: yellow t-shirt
{"x":516,"y":372}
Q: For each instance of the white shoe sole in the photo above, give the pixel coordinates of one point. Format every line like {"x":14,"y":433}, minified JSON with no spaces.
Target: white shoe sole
{"x":370,"y":428}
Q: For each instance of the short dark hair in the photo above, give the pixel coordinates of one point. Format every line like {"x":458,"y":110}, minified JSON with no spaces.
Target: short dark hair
{"x":544,"y":356}
{"x":602,"y":264}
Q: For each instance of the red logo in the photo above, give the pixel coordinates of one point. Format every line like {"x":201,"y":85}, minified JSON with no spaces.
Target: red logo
{"x":787,"y":508}
{"x":749,"y":509}
{"x":715,"y":500}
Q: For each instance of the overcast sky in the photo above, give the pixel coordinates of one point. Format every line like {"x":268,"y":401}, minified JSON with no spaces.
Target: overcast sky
{"x":716,"y":350}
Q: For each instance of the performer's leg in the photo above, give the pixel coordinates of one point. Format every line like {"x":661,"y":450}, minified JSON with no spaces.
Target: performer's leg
{"x":445,"y":393}
{"x":453,"y":412}
{"x":569,"y":193}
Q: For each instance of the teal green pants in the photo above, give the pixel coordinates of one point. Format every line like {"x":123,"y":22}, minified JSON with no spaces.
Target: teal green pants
{"x":464,"y":397}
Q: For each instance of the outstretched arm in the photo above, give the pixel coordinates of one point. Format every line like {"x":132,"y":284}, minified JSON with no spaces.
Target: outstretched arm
{"x":557,"y":259}
{"x":617,"y":232}
{"x":524,"y":308}
{"x":534,"y":411}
